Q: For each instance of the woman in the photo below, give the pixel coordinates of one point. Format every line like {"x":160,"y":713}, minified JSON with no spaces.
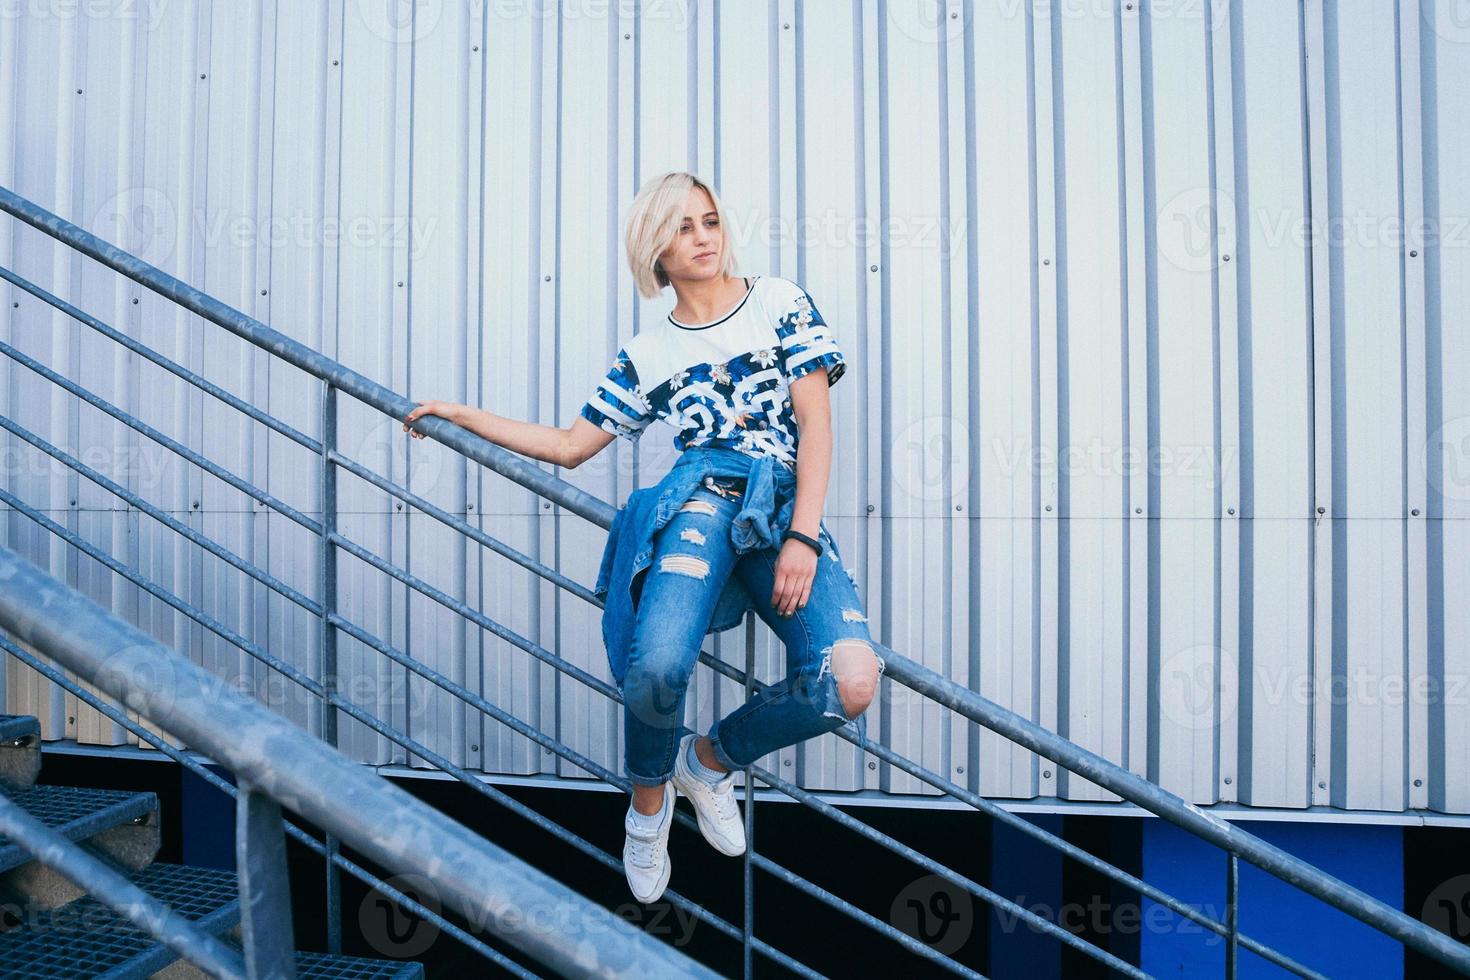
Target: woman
{"x":735,"y":525}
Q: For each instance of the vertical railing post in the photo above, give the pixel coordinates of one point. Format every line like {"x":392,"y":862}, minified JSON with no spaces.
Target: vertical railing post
{"x":1232,"y":922}
{"x":328,"y":596}
{"x":748,"y":929}
{"x":265,"y":887}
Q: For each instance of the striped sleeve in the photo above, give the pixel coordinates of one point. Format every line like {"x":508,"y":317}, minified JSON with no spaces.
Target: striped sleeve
{"x":618,"y":405}
{"x":806,"y":340}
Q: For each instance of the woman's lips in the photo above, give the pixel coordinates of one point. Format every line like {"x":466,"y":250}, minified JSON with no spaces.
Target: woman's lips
{"x":706,"y":255}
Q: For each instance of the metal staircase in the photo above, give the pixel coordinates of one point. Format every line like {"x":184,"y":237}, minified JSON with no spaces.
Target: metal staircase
{"x":266,"y":780}
{"x":64,"y":931}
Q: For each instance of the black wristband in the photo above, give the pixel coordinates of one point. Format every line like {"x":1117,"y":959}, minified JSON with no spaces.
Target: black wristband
{"x":804,"y":539}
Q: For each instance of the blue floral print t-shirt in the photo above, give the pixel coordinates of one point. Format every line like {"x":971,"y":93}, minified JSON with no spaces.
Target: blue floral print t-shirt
{"x":723,"y":384}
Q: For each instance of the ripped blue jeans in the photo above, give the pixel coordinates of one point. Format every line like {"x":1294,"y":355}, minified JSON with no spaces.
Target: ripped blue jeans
{"x":692,"y":559}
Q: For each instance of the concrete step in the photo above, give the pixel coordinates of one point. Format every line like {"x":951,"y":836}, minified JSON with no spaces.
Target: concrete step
{"x":118,"y":824}
{"x":20,"y":751}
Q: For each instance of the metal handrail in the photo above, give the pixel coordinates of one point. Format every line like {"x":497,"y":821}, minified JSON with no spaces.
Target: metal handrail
{"x":1127,"y":785}
{"x":477,"y":878}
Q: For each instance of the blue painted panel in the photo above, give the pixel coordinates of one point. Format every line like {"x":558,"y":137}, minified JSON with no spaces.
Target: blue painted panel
{"x":1281,"y":916}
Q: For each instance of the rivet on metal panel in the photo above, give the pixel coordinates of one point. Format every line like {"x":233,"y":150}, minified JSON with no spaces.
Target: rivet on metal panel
{"x":872,"y":765}
{"x":1046,"y":774}
{"x":1227,"y":780}
{"x":1418,"y":782}
{"x":1322,"y":785}
{"x":872,"y":268}
{"x":1226,"y":257}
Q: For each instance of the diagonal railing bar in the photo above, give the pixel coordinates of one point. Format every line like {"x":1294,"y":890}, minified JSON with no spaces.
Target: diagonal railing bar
{"x":158,"y":514}
{"x":1157,"y":800}
{"x":473,"y":615}
{"x":971,"y":705}
{"x":209,"y":466}
{"x":1063,"y":846}
{"x":163,"y":595}
{"x":466,"y":528}
{"x":173,"y":367}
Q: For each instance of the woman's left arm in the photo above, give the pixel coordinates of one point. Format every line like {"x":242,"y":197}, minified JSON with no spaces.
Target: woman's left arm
{"x":813,"y":407}
{"x":797,"y":565}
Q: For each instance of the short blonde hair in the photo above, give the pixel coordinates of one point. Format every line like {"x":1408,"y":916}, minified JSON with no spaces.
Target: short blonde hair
{"x":654,"y":220}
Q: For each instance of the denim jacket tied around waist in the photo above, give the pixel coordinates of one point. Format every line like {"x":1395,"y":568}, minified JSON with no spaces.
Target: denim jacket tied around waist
{"x":765,"y":514}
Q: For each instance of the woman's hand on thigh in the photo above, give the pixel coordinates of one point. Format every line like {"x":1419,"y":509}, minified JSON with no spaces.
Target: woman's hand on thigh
{"x":796,"y":567}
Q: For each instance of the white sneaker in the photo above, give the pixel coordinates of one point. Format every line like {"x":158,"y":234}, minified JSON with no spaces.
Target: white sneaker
{"x":646,"y":852}
{"x":714,"y":804}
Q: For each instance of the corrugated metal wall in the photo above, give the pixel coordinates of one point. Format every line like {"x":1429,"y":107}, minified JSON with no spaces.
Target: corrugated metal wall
{"x":1156,"y":427}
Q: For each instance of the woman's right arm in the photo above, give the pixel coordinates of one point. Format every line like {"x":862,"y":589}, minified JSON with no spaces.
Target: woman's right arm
{"x":568,"y":448}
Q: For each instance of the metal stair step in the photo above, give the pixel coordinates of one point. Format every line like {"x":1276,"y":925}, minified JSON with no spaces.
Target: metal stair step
{"x":120,"y":824}
{"x":20,"y":750}
{"x":85,"y":938}
{"x":324,"y":966}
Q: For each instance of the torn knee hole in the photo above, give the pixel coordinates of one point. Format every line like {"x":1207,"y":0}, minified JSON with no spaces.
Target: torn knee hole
{"x":691,"y":534}
{"x":853,"y":616}
{"x":698,"y":507}
{"x":855,"y":671}
{"x":684,"y":565}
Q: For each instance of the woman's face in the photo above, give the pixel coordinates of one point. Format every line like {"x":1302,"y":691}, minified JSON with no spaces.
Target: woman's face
{"x":699,"y":244}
